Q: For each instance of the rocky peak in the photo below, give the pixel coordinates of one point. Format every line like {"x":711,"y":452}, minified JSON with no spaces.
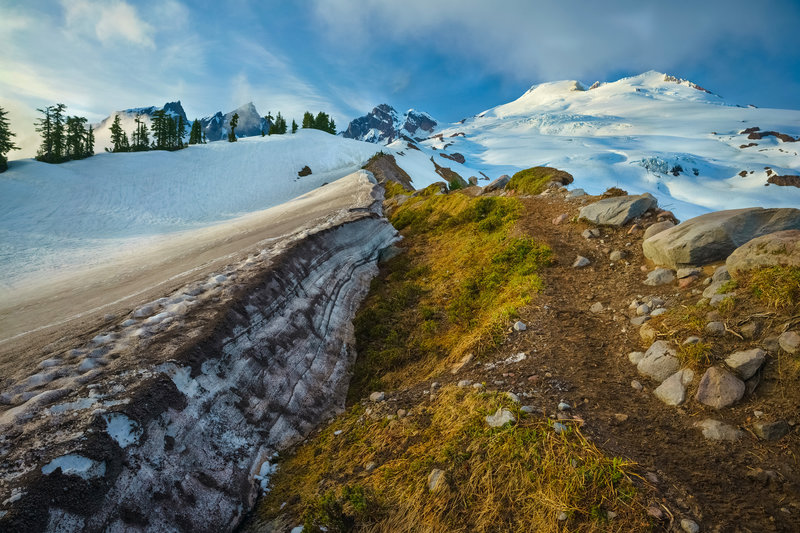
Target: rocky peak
{"x":383,"y":125}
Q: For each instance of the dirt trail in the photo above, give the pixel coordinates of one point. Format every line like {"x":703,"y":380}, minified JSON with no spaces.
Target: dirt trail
{"x":581,"y":357}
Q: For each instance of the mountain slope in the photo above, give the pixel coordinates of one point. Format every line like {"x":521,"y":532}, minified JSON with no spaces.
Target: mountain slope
{"x":217,"y":126}
{"x":127,"y":117}
{"x":383,"y":125}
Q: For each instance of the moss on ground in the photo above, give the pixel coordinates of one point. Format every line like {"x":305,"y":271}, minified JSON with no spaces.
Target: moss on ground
{"x":534,"y":180}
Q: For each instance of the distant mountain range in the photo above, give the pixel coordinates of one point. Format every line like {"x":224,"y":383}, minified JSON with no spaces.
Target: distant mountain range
{"x":383,"y":125}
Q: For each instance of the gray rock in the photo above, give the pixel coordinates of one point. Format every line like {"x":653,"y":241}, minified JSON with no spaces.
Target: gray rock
{"x":635,"y":357}
{"x":655,"y":301}
{"x":657,"y":228}
{"x":721,"y":274}
{"x":712,"y":289}
{"x":377,"y":396}
{"x":559,"y":428}
{"x":596,"y":307}
{"x":789,"y":341}
{"x":716,"y":430}
{"x":580,"y":262}
{"x":689,"y":526}
{"x":617,"y":211}
{"x":750,"y":330}
{"x":464,"y":383}
{"x":500,"y":418}
{"x":771,"y":430}
{"x":692,"y":340}
{"x":658,"y":312}
{"x":437,"y":480}
{"x":717,"y":299}
{"x":715,"y":328}
{"x":636,"y":385}
{"x":659,"y":361}
{"x":527,"y":409}
{"x":617,"y":255}
{"x":473,"y":180}
{"x":686,"y":272}
{"x":771,"y":344}
{"x":639,"y":320}
{"x":672,"y":390}
{"x":575,"y":193}
{"x":592,"y":233}
{"x":660,"y":276}
{"x":499,"y":183}
{"x":719,"y":388}
{"x":746,"y":363}
{"x":779,"y":248}
{"x":643,"y":309}
{"x":714,"y":236}
{"x":520,"y":326}
{"x":513,"y":397}
{"x":564,"y":406}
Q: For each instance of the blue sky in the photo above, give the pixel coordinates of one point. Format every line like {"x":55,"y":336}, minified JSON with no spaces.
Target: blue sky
{"x":450,"y":58}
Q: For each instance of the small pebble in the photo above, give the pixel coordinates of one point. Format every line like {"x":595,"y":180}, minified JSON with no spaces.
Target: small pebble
{"x":636,"y":385}
{"x":564,"y":406}
{"x":689,"y":526}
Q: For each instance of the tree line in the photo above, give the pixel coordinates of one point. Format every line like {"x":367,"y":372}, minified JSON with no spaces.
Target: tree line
{"x":65,"y":138}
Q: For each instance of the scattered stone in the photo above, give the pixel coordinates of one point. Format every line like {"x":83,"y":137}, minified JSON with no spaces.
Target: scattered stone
{"x":401,"y":413}
{"x":559,"y":428}
{"x":657,"y":228}
{"x":639,"y":320}
{"x":562,"y":516}
{"x":436,"y":480}
{"x":758,"y":414}
{"x":377,"y":396}
{"x":719,"y":388}
{"x":721,"y":274}
{"x":656,"y":512}
{"x":715,"y":329}
{"x":560,"y":218}
{"x":527,"y":409}
{"x":636,"y":385}
{"x":621,"y":417}
{"x":689,"y":526}
{"x":513,"y":397}
{"x":658,"y":312}
{"x":580,"y":262}
{"x":659,"y":361}
{"x":781,"y":248}
{"x":716,"y":430}
{"x":750,"y":330}
{"x":596,"y":307}
{"x":593,"y":233}
{"x":643,"y":309}
{"x":369,"y":467}
{"x":717,"y":299}
{"x":692,"y":340}
{"x":500,"y":418}
{"x":765,"y":477}
{"x":771,"y":344}
{"x":564,"y":406}
{"x":473,"y":180}
{"x":790,"y":342}
{"x":575,"y":193}
{"x":687,"y":272}
{"x":655,"y":301}
{"x":660,"y":276}
{"x":499,"y":183}
{"x":771,"y":430}
{"x":685,"y":282}
{"x":746,"y":363}
{"x":673,"y":389}
{"x":461,"y":364}
{"x":617,"y":211}
{"x":611,"y":515}
{"x":464,"y":383}
{"x":520,"y":326}
{"x":477,"y":386}
{"x":618,"y":255}
{"x":635,"y":357}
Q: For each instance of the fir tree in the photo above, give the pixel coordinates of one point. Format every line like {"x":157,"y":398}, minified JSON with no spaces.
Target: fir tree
{"x":331,"y":127}
{"x":308,"y":120}
{"x":74,"y":142}
{"x":195,"y":136}
{"x":140,"y":139}
{"x":59,"y":138}
{"x":119,"y":139}
{"x":294,"y":126}
{"x":6,"y":144}
{"x":45,"y":126}
{"x":234,"y":122}
{"x":181,"y":131}
{"x":159,"y":127}
{"x":88,"y":148}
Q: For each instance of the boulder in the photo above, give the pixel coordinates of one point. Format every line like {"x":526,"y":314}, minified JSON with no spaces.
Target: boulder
{"x":658,"y":227}
{"x":746,"y":363}
{"x":498,"y":184}
{"x":716,"y":430}
{"x":575,"y":193}
{"x":619,"y":210}
{"x":790,"y":342}
{"x":472,"y":180}
{"x":771,"y":430}
{"x":659,"y":361}
{"x":660,"y":276}
{"x":672,"y":390}
{"x":719,"y":388}
{"x":714,"y":236}
{"x":779,"y":248}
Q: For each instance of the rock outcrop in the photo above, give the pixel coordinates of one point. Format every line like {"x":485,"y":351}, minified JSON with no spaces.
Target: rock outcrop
{"x":383,"y":125}
{"x":617,"y":211}
{"x":714,"y":236}
{"x":781,"y":248}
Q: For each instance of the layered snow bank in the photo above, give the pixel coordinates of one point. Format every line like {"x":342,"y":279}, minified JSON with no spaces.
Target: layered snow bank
{"x":188,"y":397}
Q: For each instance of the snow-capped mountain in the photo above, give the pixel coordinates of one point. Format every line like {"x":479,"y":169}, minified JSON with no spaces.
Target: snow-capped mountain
{"x":647,"y":133}
{"x":383,"y":125}
{"x":216,"y":127}
{"x":127,"y":117}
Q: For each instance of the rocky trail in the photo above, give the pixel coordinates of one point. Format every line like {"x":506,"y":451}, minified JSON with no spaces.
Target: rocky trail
{"x":568,"y":358}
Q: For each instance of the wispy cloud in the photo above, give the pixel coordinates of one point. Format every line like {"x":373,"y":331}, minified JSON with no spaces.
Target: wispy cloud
{"x":113,"y":23}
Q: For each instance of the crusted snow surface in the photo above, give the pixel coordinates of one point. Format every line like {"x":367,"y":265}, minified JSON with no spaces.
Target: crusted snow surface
{"x":76,"y":465}
{"x":122,"y":429}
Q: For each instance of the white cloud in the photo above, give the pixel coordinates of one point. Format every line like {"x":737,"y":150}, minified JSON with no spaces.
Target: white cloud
{"x":112,"y":23}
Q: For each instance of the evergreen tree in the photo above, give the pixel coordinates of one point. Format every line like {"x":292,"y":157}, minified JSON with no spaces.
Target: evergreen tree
{"x":321,"y":121}
{"x":181,"y":131}
{"x":119,"y":139}
{"x":74,"y":142}
{"x":195,"y":136}
{"x":59,"y":138}
{"x":294,"y":126}
{"x":88,"y":142}
{"x":278,"y":126}
{"x":234,"y":122}
{"x":45,"y":126}
{"x":331,"y":127}
{"x":308,"y":120}
{"x":159,"y":127}
{"x":140,"y":139}
{"x":6,"y":144}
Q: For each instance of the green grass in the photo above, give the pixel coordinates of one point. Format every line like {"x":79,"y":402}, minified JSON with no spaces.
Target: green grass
{"x":777,"y":287}
{"x":534,"y":180}
{"x":454,"y":292}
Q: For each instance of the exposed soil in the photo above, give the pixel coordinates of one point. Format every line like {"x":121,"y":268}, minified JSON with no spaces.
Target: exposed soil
{"x":580,"y":357}
{"x":786,"y":181}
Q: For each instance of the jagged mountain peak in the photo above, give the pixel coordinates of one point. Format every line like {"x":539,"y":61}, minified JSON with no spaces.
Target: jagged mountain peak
{"x":384,"y":124}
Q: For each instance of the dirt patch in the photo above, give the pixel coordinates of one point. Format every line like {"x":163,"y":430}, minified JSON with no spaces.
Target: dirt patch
{"x":785,"y":181}
{"x":385,"y":168}
{"x":305,"y":171}
{"x":458,"y":158}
